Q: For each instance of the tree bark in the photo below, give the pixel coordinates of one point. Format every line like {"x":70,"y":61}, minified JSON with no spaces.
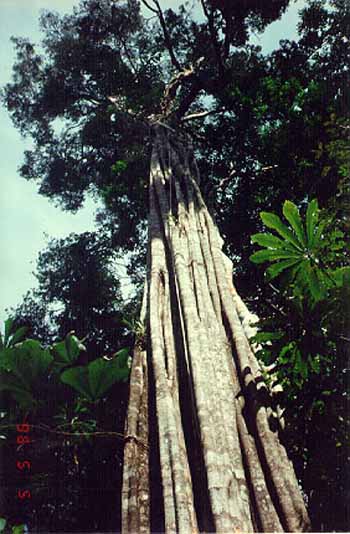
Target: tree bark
{"x":201,"y":451}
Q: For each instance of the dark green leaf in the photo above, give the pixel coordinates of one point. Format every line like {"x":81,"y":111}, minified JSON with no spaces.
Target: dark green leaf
{"x":74,"y":347}
{"x":262,"y":337}
{"x":291,"y":213}
{"x":18,"y":336}
{"x":77,"y":378}
{"x":271,"y":220}
{"x":341,"y":276}
{"x":94,"y":380}
{"x":277,"y":268}
{"x":104,"y":373}
{"x":284,"y":352}
{"x":300,"y":366}
{"x":270,"y":255}
{"x":119,"y":166}
{"x":61,"y":356}
{"x":8,"y":328}
{"x":318,"y":233}
{"x":122,"y":363}
{"x":297,"y":274}
{"x":27,"y":361}
{"x":20,"y":393}
{"x":268,"y":240}
{"x":102,"y":376}
{"x":314,"y":363}
{"x":123,"y":356}
{"x":66,"y":352}
{"x":316,"y":289}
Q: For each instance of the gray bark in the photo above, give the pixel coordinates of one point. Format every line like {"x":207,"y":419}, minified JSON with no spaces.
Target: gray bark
{"x":200,"y":452}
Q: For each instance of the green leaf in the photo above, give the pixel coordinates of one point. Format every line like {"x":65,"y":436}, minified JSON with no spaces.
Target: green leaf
{"x":300,"y":366}
{"x":268,"y":240}
{"x":123,"y":357}
{"x":262,"y":337}
{"x":341,"y":276}
{"x":17,"y":389}
{"x":60,"y":353}
{"x":101,"y":377}
{"x":8,"y":328}
{"x":18,"y":529}
{"x":128,"y":323}
{"x":270,"y":255}
{"x":271,"y":220}
{"x":77,"y":378}
{"x":277,"y":268}
{"x":104,"y":373}
{"x":74,"y":347}
{"x":119,"y":166}
{"x":1,"y":342}
{"x":283,"y":358}
{"x":27,"y":361}
{"x":66,"y":352}
{"x":318,"y":234}
{"x":316,"y":289}
{"x":297,"y":272}
{"x":311,"y":221}
{"x":2,"y":523}
{"x":94,"y":380}
{"x":314,"y":364}
{"x":291,"y":213}
{"x":18,"y":336}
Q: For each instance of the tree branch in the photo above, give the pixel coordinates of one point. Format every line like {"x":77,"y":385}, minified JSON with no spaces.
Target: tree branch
{"x":149,"y":7}
{"x":213,"y":35}
{"x":129,"y":56}
{"x":166,"y":35}
{"x":90,"y":98}
{"x":201,"y":114}
{"x":172,"y":87}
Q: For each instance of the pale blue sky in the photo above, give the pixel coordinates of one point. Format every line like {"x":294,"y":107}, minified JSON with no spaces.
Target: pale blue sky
{"x":25,"y":216}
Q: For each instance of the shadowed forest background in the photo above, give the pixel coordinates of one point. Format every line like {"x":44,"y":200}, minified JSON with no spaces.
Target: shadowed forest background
{"x":270,"y":128}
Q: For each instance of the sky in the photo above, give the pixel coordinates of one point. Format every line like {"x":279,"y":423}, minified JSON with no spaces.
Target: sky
{"x":28,"y":220}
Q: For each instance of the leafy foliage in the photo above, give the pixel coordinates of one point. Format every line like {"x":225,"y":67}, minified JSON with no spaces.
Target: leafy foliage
{"x":26,"y":364}
{"x":46,"y":386}
{"x":302,"y":252}
{"x":67,"y":352}
{"x":95,"y":379}
{"x":306,"y":341}
{"x":11,"y":337}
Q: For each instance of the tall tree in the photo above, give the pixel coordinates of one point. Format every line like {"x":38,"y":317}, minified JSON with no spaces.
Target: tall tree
{"x":78,"y":289}
{"x":198,"y":401}
{"x":193,"y":371}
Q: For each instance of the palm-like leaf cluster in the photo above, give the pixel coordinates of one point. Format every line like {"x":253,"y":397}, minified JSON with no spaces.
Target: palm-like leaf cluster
{"x":297,"y":250}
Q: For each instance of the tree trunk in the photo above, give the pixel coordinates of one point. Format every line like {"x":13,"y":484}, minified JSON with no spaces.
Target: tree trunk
{"x":202,"y":452}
